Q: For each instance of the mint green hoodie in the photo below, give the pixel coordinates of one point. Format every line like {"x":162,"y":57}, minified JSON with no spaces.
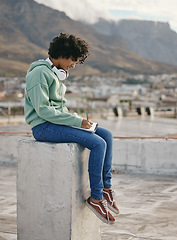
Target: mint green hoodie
{"x":44,"y":98}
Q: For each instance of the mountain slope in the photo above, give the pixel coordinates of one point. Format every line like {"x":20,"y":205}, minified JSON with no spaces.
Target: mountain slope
{"x":151,"y":40}
{"x":26,"y":28}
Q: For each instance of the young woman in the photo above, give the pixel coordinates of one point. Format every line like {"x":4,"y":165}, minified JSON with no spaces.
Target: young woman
{"x":50,"y":120}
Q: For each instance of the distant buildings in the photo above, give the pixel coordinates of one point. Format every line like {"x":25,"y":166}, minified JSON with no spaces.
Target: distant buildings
{"x":96,"y":92}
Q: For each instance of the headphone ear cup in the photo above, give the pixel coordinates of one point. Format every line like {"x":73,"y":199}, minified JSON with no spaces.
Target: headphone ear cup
{"x":60,"y":73}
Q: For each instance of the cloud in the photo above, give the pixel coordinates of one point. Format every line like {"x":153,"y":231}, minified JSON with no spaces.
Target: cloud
{"x":91,"y":10}
{"x":84,"y":10}
{"x":157,"y":10}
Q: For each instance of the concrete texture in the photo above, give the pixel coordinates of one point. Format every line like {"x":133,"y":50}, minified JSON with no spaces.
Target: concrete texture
{"x":147,"y":203}
{"x":8,"y":214}
{"x":9,"y":139}
{"x":52,"y":186}
{"x":136,"y":155}
{"x":148,"y":207}
{"x":145,"y":155}
{"x":123,"y":126}
{"x":9,"y":148}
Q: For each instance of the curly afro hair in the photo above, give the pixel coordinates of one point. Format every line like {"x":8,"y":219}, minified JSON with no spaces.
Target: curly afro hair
{"x":67,"y":46}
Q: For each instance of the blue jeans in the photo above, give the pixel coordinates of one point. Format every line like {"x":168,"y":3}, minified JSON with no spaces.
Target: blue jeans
{"x":100,"y":146}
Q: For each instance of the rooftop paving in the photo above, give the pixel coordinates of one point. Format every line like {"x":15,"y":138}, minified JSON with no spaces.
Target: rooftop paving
{"x":148,"y":203}
{"x":148,"y":207}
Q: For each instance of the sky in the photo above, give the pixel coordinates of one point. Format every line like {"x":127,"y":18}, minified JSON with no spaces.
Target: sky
{"x":90,"y":10}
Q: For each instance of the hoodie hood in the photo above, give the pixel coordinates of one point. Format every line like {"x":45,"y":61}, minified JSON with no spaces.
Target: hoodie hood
{"x":38,"y":63}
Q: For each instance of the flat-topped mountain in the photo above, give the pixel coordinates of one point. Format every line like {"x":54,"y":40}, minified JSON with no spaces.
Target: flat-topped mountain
{"x":26,"y":28}
{"x":151,"y":40}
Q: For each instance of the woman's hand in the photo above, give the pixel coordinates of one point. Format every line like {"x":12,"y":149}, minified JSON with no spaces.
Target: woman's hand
{"x":86,"y":124}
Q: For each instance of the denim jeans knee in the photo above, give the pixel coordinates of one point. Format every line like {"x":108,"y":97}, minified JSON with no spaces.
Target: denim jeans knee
{"x":99,"y":144}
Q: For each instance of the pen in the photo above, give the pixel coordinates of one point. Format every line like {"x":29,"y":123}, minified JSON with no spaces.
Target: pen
{"x":87,"y":116}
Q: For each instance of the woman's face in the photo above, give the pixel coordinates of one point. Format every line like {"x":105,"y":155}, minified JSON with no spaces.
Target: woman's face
{"x":66,"y":64}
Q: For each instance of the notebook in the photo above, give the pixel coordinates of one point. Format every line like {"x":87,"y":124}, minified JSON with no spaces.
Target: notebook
{"x":92,"y":129}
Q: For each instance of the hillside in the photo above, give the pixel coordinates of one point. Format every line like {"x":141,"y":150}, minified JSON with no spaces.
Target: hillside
{"x":26,"y":28}
{"x":151,"y":40}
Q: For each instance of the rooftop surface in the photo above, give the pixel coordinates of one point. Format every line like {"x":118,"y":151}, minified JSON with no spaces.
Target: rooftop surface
{"x":148,"y":203}
{"x":148,"y":207}
{"x":141,"y":126}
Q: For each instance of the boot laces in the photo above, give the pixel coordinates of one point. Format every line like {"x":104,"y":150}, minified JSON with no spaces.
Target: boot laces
{"x":105,"y":205}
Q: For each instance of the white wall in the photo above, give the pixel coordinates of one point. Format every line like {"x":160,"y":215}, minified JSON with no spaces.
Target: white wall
{"x":144,"y":155}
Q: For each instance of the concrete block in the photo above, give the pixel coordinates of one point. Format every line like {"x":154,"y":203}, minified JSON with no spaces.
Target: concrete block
{"x":52,"y":186}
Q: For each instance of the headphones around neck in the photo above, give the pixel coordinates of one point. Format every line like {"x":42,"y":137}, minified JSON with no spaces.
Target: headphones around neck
{"x":61,"y":74}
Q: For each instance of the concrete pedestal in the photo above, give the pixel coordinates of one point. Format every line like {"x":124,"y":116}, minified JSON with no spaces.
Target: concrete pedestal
{"x":52,"y":186}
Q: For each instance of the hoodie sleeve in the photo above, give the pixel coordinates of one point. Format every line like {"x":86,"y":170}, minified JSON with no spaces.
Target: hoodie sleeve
{"x":39,"y":97}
